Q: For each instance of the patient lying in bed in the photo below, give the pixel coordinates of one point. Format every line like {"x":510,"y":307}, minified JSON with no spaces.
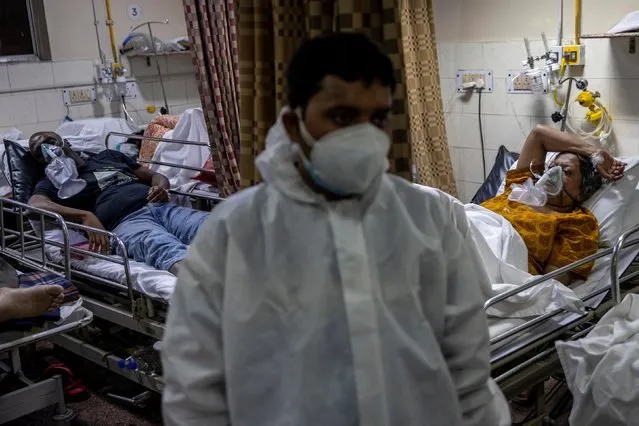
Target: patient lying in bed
{"x":562,"y":231}
{"x":122,"y":197}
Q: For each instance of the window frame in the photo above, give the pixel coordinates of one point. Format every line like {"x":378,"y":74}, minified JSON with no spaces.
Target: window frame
{"x":39,"y":36}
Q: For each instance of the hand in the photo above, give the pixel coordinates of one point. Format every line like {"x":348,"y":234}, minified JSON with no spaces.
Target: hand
{"x":157,"y":194}
{"x":610,"y":168}
{"x":98,"y":243}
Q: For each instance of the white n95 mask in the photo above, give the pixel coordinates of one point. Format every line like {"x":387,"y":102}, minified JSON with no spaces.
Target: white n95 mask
{"x":346,"y":161}
{"x":551,"y":183}
{"x":62,"y":172}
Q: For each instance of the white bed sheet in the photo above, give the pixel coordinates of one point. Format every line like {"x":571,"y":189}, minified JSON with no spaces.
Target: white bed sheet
{"x":146,"y":279}
{"x":598,"y":280}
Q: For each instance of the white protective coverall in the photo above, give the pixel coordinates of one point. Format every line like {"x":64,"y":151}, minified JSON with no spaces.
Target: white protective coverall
{"x":294,"y":311}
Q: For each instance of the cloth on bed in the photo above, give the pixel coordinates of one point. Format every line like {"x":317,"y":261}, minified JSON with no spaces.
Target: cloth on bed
{"x":156,"y":129}
{"x":601,"y":369}
{"x":505,"y":258}
{"x":32,"y":279}
{"x":557,"y":239}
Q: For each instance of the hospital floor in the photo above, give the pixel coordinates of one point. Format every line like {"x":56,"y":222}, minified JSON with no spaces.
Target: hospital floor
{"x":99,"y":409}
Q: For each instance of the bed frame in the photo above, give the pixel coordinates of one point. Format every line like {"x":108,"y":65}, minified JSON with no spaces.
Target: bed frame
{"x":110,"y":302}
{"x":524,"y":357}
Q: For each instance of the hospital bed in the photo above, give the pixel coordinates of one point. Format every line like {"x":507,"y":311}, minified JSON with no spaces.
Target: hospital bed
{"x":33,"y":396}
{"x":120,"y":293}
{"x":523,"y":354}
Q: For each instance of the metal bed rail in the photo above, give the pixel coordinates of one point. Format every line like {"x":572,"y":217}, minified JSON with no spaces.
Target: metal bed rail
{"x":87,"y":317}
{"x":573,"y":329}
{"x":616,"y":252}
{"x":211,"y":198}
{"x":21,"y":254}
{"x":162,"y":163}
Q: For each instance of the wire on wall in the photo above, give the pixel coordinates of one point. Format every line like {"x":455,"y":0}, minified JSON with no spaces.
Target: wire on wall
{"x":481,"y":138}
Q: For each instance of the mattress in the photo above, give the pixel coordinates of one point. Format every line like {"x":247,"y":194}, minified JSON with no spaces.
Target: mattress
{"x":146,"y":279}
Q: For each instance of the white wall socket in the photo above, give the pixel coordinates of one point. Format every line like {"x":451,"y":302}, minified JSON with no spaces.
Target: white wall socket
{"x":467,"y":76}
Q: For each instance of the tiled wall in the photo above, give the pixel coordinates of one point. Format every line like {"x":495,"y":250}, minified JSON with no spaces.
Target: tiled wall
{"x":508,"y":118}
{"x":31,"y":93}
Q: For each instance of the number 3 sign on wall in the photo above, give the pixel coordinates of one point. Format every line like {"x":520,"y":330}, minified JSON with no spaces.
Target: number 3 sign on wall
{"x":135,"y":12}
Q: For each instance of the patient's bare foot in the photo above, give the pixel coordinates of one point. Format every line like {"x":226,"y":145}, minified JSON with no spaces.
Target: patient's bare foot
{"x":29,"y":302}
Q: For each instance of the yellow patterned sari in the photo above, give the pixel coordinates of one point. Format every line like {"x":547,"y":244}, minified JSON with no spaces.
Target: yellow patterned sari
{"x":552,"y":238}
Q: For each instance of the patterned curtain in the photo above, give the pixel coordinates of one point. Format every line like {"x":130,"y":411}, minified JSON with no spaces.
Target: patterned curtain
{"x":211,"y":26}
{"x":429,"y":145}
{"x":271,"y":30}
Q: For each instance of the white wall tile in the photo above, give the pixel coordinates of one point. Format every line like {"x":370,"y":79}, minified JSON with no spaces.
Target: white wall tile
{"x":502,"y":57}
{"x":30,"y":75}
{"x":139,"y":67}
{"x":16,"y":110}
{"x":467,"y":190}
{"x":495,"y":102}
{"x":144,"y":96}
{"x":446,"y":59}
{"x":180,"y":65}
{"x":175,"y":92}
{"x":462,"y":130}
{"x":599,"y":62}
{"x":625,"y":136}
{"x":456,"y":161}
{"x":469,"y":56}
{"x":73,"y":72}
{"x":472,"y":164}
{"x":49,"y":105}
{"x":450,"y":98}
{"x":623,"y":100}
{"x":622,"y":63}
{"x":193,"y":92}
{"x":531,"y":105}
{"x":505,"y":130}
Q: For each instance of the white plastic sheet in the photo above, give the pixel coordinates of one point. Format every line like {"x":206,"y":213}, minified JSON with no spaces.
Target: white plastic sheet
{"x":602,"y":369}
{"x":505,"y":258}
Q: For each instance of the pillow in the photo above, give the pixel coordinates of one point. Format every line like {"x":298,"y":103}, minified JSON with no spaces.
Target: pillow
{"x":497,"y":174}
{"x":611,"y":203}
{"x":24,"y":171}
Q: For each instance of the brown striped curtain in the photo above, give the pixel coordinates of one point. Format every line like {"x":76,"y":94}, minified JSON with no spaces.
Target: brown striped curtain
{"x":211,"y":25}
{"x":270,"y":31}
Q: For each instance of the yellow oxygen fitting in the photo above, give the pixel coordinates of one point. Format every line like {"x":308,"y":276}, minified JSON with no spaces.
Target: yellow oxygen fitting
{"x":594,"y":116}
{"x":150,"y":109}
{"x":586,"y":99}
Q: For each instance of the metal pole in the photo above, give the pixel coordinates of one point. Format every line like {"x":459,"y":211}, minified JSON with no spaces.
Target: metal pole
{"x":157,"y":63}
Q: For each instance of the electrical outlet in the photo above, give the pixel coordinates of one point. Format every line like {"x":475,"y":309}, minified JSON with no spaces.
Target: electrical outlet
{"x":78,"y":95}
{"x":519,"y":82}
{"x":131,"y":90}
{"x":575,"y":54}
{"x":468,"y":76}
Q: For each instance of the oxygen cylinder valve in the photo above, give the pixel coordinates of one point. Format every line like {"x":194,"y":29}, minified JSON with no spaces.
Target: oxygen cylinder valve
{"x":556,"y":117}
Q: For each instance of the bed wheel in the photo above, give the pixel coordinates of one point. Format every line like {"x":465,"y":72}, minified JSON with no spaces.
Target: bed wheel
{"x":65,"y":417}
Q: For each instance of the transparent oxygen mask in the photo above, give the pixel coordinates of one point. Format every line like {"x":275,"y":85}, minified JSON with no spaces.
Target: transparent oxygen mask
{"x":536,"y":194}
{"x":62,"y":172}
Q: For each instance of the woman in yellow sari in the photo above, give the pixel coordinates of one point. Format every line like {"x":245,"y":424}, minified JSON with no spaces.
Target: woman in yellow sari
{"x":562,"y":231}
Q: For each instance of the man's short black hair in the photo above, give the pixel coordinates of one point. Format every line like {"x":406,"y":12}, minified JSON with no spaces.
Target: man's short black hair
{"x":349,"y":56}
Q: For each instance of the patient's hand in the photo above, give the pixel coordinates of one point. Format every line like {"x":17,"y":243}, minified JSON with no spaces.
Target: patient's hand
{"x":610,"y":168}
{"x":157,"y":194}
{"x":98,"y":243}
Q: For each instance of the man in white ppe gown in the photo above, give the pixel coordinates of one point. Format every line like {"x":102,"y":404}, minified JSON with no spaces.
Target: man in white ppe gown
{"x":332,"y":294}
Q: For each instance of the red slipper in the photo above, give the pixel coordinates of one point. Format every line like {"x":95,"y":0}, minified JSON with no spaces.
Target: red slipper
{"x":73,"y":388}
